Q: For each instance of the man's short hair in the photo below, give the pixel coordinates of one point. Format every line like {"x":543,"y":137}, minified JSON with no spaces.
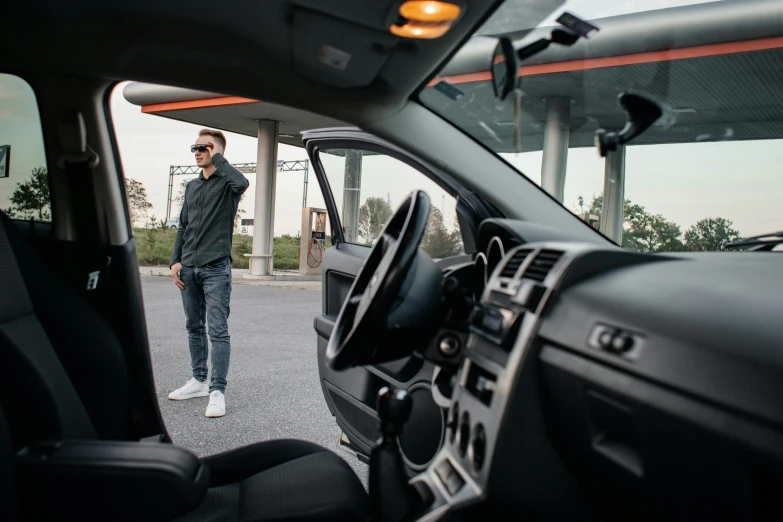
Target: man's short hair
{"x":219,"y":137}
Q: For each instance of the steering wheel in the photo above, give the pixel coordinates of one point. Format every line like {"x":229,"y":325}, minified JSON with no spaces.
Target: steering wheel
{"x":366,"y":325}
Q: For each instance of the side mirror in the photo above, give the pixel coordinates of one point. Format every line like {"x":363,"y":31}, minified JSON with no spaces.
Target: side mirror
{"x":505,"y":68}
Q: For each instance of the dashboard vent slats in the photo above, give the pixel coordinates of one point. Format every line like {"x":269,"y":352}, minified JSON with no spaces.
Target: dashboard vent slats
{"x":541,"y":265}
{"x":514,"y":263}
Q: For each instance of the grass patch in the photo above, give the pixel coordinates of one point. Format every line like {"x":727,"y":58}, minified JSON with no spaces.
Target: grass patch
{"x":286,"y":252}
{"x":154,"y":249}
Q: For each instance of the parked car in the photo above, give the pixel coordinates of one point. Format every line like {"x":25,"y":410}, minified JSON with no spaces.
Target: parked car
{"x":173,"y":222}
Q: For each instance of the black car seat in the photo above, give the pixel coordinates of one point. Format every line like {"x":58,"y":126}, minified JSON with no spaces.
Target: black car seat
{"x":66,"y":380}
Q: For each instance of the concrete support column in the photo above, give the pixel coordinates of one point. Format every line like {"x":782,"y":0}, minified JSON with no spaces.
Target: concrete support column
{"x":614,"y":195}
{"x":352,"y":189}
{"x":556,"y":134}
{"x":264,"y":214}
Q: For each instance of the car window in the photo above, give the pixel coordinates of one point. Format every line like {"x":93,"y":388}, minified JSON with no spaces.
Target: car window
{"x":24,"y":183}
{"x":368,"y":187}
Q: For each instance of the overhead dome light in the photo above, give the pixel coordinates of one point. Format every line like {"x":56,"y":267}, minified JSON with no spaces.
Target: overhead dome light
{"x":429,"y":11}
{"x":425,"y":19}
{"x":424,"y":31}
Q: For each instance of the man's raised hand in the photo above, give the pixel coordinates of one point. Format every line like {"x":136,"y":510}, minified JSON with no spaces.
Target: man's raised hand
{"x":214,"y":148}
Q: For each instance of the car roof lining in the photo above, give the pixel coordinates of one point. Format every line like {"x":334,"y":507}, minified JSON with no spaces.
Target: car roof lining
{"x":248,"y":49}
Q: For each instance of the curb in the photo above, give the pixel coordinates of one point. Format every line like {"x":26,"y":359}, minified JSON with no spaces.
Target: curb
{"x":240,"y":276}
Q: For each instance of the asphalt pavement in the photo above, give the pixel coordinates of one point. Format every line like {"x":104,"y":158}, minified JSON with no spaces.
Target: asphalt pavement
{"x":273,"y":386}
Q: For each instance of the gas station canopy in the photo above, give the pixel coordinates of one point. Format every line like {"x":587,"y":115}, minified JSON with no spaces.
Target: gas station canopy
{"x":718,"y":65}
{"x":229,"y":113}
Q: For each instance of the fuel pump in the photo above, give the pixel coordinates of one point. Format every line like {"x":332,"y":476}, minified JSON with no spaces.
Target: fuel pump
{"x":313,"y":240}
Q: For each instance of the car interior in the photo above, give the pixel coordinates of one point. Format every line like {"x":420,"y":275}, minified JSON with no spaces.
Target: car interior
{"x":545,"y":374}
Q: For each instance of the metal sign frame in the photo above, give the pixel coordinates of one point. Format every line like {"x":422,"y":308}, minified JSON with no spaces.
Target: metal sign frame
{"x":245,"y":168}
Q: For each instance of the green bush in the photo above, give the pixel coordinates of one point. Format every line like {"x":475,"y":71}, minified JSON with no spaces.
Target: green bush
{"x":241,"y":245}
{"x":154,"y":249}
{"x":154,"y":245}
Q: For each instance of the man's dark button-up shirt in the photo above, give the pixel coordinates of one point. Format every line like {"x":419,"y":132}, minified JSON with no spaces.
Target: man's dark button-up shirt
{"x":206,"y":223}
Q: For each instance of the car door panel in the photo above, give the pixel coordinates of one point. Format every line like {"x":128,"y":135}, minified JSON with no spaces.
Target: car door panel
{"x":351,"y":395}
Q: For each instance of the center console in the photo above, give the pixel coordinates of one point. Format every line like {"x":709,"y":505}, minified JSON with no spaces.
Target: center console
{"x":502,"y":327}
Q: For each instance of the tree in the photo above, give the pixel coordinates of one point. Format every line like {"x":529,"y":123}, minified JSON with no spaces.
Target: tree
{"x":642,"y":231}
{"x":653,"y":233}
{"x":711,"y":234}
{"x":438,"y":242}
{"x":137,"y":199}
{"x":373,"y":215}
{"x":180,"y":197}
{"x":31,"y":199}
{"x":240,"y":211}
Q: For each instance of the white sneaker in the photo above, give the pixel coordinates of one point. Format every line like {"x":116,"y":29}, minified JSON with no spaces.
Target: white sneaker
{"x":217,"y":404}
{"x":191,"y":390}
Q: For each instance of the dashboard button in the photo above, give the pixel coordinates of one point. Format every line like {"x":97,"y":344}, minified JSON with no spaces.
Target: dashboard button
{"x":476,"y":316}
{"x":449,"y":476}
{"x":622,"y":343}
{"x":453,"y":424}
{"x":615,"y":340}
{"x":605,"y":339}
{"x":493,"y":322}
{"x":478,"y":446}
{"x":464,"y":434}
{"x":454,"y":482}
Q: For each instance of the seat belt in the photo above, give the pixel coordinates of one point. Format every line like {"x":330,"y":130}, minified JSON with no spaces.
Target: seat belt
{"x":78,"y":161}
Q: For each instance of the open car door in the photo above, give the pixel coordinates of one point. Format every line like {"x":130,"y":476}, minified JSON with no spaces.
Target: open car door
{"x":363,"y":180}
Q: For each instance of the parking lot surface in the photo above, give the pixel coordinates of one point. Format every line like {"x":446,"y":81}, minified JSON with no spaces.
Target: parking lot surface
{"x":273,"y":386}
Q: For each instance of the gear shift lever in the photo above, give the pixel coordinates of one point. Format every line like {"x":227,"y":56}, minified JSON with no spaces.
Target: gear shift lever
{"x":394,"y":409}
{"x":392,"y":498}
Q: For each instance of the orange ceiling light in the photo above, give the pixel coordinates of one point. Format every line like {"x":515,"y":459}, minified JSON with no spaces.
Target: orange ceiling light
{"x":424,"y":31}
{"x":425,"y":19}
{"x":429,"y":11}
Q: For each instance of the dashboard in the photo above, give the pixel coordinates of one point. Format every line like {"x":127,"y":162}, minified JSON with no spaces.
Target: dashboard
{"x":604,"y":384}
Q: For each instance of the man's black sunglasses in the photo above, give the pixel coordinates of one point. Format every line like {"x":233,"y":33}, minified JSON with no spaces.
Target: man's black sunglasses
{"x":200,"y":148}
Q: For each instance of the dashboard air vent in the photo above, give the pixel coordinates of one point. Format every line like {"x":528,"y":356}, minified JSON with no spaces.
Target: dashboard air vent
{"x":541,"y":265}
{"x":513,"y":264}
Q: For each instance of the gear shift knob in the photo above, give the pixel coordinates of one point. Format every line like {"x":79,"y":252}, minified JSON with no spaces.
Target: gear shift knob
{"x":394,"y":409}
{"x":391,"y":498}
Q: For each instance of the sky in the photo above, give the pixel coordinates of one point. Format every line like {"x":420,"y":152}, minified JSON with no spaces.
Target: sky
{"x":737,"y":180}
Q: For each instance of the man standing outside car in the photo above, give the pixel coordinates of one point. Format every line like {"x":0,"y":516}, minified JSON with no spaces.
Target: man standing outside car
{"x":201,"y":267}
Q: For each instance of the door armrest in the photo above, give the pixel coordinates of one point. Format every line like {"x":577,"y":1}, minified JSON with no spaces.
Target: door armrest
{"x":109,"y":480}
{"x":324,"y":324}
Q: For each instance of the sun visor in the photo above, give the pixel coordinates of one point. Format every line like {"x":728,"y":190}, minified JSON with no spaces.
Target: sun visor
{"x":336,"y":52}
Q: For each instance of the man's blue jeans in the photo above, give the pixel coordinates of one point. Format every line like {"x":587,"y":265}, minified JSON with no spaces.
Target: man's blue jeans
{"x":207,"y":294}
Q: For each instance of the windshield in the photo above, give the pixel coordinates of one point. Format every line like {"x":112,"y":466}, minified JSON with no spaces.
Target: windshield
{"x":706,"y":174}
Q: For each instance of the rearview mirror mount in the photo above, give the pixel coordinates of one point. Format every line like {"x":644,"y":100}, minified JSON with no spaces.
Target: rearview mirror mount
{"x":641,"y":113}
{"x":506,"y":59}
